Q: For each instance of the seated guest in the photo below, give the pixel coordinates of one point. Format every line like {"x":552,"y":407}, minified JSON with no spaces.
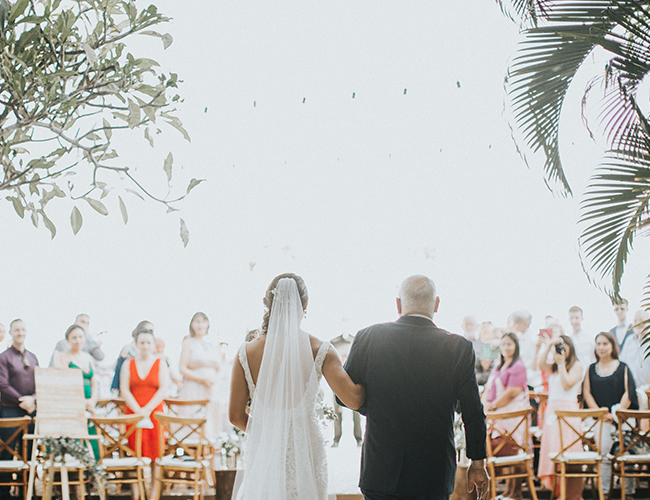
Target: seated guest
{"x":143,"y":384}
{"x":17,"y":386}
{"x":507,"y":390}
{"x":609,"y":384}
{"x":91,"y":346}
{"x":564,"y":386}
{"x":633,"y":355}
{"x":77,"y":358}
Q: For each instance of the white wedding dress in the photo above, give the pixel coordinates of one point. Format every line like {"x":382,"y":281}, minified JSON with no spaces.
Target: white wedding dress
{"x":284,"y":453}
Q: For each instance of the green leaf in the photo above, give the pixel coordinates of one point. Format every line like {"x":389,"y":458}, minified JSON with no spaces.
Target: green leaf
{"x":48,"y":223}
{"x":76,"y":220}
{"x":193,"y":184}
{"x":134,"y":114}
{"x":17,"y":10}
{"x":167,"y":40}
{"x":132,"y":191}
{"x":18,"y":206}
{"x":125,"y":215}
{"x":148,"y":136}
{"x":178,"y":125}
{"x":35,"y":218}
{"x":185,"y":234}
{"x":97,"y":205}
{"x":108,"y":131}
{"x":167,"y":167}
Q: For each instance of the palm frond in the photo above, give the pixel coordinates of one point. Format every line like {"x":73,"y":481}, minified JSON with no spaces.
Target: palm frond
{"x":645,"y":304}
{"x":525,"y":12}
{"x":615,"y":207}
{"x":541,"y":73}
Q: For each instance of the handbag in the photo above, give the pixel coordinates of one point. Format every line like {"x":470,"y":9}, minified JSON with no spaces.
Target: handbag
{"x":639,"y":448}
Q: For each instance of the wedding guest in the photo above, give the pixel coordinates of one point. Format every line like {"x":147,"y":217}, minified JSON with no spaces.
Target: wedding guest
{"x":199,"y":365}
{"x":623,"y":330}
{"x":470,"y":331}
{"x":519,"y":323}
{"x":633,"y":355}
{"x":490,"y":338}
{"x":175,"y":382}
{"x":129,"y":351}
{"x":76,"y":357}
{"x":564,"y":386}
{"x":92,"y":346}
{"x":144,"y":386}
{"x":582,"y":341}
{"x":609,"y":384}
{"x":17,"y":387}
{"x":507,"y":390}
{"x":342,"y":344}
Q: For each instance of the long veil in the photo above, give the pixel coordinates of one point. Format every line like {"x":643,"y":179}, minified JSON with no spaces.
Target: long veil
{"x":278,"y":456}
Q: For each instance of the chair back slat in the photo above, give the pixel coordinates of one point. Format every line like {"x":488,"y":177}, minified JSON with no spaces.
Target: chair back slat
{"x":574,"y":429}
{"x":115,"y":433}
{"x":21,"y":425}
{"x":519,"y":418}
{"x":630,"y":421}
{"x":181,"y":433}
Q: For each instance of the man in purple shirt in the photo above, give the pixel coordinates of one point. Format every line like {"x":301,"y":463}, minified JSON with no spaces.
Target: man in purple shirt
{"x":17,"y":385}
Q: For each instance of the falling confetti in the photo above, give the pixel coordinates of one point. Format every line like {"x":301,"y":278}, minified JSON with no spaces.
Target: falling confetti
{"x":205,"y":110}
{"x":353,"y":94}
{"x":303,"y":100}
{"x":254,"y":104}
{"x":251,"y":265}
{"x":457,"y":84}
{"x":404,"y":91}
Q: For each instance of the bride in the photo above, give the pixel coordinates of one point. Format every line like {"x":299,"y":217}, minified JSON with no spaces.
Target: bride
{"x":284,"y":452}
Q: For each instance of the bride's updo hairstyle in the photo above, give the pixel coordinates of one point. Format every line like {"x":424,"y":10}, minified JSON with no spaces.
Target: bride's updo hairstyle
{"x":268,"y":298}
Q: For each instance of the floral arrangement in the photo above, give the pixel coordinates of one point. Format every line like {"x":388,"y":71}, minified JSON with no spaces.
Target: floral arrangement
{"x":459,"y":439}
{"x":57,"y":447}
{"x":230,"y":443}
{"x":324,"y":412}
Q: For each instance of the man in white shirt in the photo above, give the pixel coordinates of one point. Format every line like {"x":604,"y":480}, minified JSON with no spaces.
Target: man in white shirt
{"x":519,"y":322}
{"x":583,"y":343}
{"x":633,"y":355}
{"x":623,"y":330}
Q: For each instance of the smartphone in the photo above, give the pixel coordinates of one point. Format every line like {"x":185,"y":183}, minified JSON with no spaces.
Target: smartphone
{"x":546,"y":332}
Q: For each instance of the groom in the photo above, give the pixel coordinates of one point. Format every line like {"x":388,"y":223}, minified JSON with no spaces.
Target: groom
{"x":414,"y":374}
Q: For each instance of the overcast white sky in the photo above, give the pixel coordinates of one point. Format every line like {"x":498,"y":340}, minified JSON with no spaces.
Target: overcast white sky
{"x":354,"y":143}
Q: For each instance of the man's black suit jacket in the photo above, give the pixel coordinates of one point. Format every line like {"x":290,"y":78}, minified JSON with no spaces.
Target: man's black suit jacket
{"x":414,"y":374}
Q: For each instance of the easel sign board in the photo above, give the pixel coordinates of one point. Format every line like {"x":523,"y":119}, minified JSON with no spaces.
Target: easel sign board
{"x":61,"y":403}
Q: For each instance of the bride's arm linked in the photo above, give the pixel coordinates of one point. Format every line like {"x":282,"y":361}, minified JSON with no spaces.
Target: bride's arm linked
{"x":238,"y":397}
{"x":352,"y":395}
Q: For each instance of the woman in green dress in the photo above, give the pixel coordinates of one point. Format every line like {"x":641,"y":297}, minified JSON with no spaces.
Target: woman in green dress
{"x":76,"y":357}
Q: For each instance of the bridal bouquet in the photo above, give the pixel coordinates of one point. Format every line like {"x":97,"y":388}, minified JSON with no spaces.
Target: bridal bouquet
{"x":324,"y":412}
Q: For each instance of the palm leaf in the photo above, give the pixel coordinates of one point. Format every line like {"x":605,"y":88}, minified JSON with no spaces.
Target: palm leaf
{"x":541,"y":73}
{"x":525,"y":12}
{"x":615,"y":208}
{"x":645,"y":304}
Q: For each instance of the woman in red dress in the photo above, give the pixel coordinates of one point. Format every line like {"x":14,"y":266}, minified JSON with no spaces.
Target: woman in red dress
{"x":143,"y":386}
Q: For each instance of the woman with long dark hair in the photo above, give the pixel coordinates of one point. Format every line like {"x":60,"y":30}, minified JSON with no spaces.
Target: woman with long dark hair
{"x":563,"y":388}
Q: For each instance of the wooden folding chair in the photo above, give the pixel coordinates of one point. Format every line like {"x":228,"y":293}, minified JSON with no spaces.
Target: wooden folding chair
{"x":182,"y":459}
{"x":626,"y":464}
{"x":121,"y":463}
{"x":61,"y":413}
{"x":18,"y":463}
{"x":521,"y":457}
{"x":111,"y":407}
{"x":583,"y":427}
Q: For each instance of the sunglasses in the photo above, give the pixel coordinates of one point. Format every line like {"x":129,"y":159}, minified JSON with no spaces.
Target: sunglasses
{"x":25,"y":361}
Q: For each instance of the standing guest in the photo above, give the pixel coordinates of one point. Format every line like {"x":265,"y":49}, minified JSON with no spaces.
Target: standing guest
{"x":609,"y":384}
{"x":175,"y":381}
{"x":129,"y":351}
{"x":506,"y":390}
{"x":92,"y":345}
{"x":633,"y":355}
{"x":406,"y":365}
{"x":623,"y":330}
{"x":76,"y":357}
{"x":490,"y":338}
{"x":470,"y":331}
{"x":519,"y":324}
{"x":583,"y":342}
{"x":17,"y":387}
{"x":342,"y":344}
{"x":199,"y":365}
{"x":563,"y":389}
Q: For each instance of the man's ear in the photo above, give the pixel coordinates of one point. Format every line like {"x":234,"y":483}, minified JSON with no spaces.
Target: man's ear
{"x":399,"y":306}
{"x":436,"y":305}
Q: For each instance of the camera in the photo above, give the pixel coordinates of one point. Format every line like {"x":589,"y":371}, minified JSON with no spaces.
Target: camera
{"x":560,"y":348}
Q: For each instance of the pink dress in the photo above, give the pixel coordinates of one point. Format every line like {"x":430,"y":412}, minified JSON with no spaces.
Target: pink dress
{"x":499,"y":381}
{"x":558,"y":399}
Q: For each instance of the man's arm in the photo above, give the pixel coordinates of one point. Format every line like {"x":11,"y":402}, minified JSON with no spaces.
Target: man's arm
{"x":94,"y":348}
{"x":9,"y":394}
{"x":470,"y":404}
{"x":356,"y":365}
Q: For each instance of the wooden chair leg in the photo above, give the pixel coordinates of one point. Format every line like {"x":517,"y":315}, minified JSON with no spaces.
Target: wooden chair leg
{"x":531,"y":482}
{"x":493,"y":483}
{"x":599,"y":480}
{"x":554,"y":480}
{"x":563,"y":481}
